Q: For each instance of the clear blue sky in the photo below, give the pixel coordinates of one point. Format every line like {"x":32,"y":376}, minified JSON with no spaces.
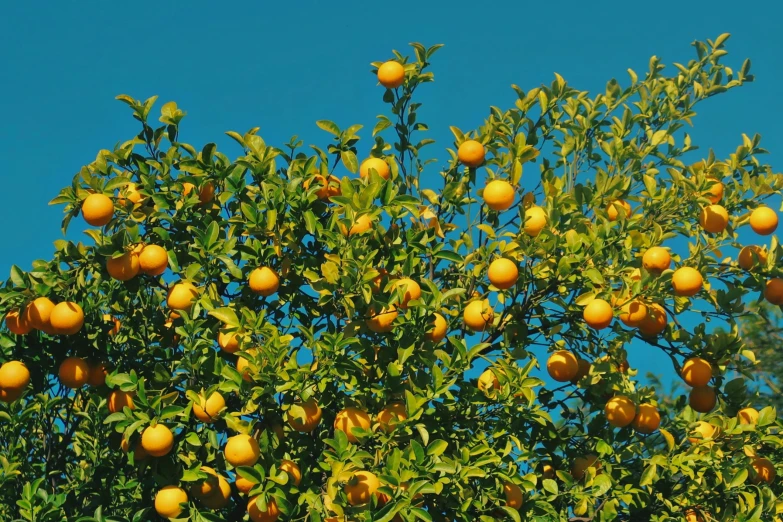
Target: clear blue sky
{"x":283,"y":65}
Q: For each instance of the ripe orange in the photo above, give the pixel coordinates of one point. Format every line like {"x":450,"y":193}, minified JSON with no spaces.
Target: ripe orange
{"x":124,"y":267}
{"x":411,"y":290}
{"x":581,"y":464}
{"x":326,"y":189}
{"x":98,"y":373}
{"x":696,"y":372}
{"x":763,"y":221}
{"x":97,"y":209}
{"x":228,"y":341}
{"x":392,"y":414}
{"x":256,"y":514}
{"x":687,"y":281}
{"x":503,"y":273}
{"x":243,"y":365}
{"x":391,"y":74}
{"x":115,"y":324}
{"x":478,"y":315}
{"x":693,"y":516}
{"x":562,"y":366}
{"x":17,"y":323}
{"x":131,"y":192}
{"x":119,"y":399}
{"x":647,"y":419}
{"x":655,"y":322}
{"x":242,"y":450}
{"x":157,"y":440}
{"x":513,"y":495}
{"x":705,"y":430}
{"x":498,"y":195}
{"x":382,"y":321}
{"x":378,"y":165}
{"x":14,"y":375}
{"x":620,"y":411}
{"x":714,"y":219}
{"x":535,"y":221}
{"x":207,"y":486}
{"x":138,"y":452}
{"x":38,"y":313}
{"x":153,"y":260}
{"x":168,"y":501}
{"x":703,"y":399}
{"x":613,"y":209}
{"x":264,"y":281}
{"x":379,"y":282}
{"x":182,"y":296}
{"x":220,"y":497}
{"x":748,"y":416}
{"x":715,"y":192}
{"x":208,"y":410}
{"x":547,"y":470}
{"x":67,"y":318}
{"x":752,"y":256}
{"x":243,"y":485}
{"x":633,"y":312}
{"x":763,"y":470}
{"x":656,"y":259}
{"x":206,"y":193}
{"x":312,"y":417}
{"x":436,"y":329}
{"x":488,"y":383}
{"x":598,"y":314}
{"x":773,"y":291}
{"x":292,"y":470}
{"x":583,"y":370}
{"x":361,"y":487}
{"x":351,"y":418}
{"x":74,"y":372}
{"x":471,"y":154}
{"x":360,"y":225}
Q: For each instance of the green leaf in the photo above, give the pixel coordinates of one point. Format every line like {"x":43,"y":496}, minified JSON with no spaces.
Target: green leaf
{"x":739,"y":478}
{"x":649,"y":475}
{"x":437,"y":447}
{"x":349,"y":161}
{"x":226,"y":315}
{"x":329,"y":127}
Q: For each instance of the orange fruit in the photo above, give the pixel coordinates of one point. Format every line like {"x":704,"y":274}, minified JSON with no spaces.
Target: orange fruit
{"x":391,"y":74}
{"x":361,"y":487}
{"x":535,"y":221}
{"x":206,"y":193}
{"x":471,"y":154}
{"x":168,"y":501}
{"x":748,"y":416}
{"x":656,"y":259}
{"x":613,"y":209}
{"x":351,"y":418}
{"x":208,"y":410}
{"x":391,"y":415}
{"x":256,"y":514}
{"x":620,"y":411}
{"x":715,"y":192}
{"x":124,"y":267}
{"x":9,"y":395}
{"x":97,"y":209}
{"x":228,"y":341}
{"x":498,"y":195}
{"x":292,"y":470}
{"x":436,"y":329}
{"x":131,"y":192}
{"x":703,"y":399}
{"x":360,"y":225}
{"x":119,"y":399}
{"x":583,"y":370}
{"x":488,"y":382}
{"x":655,"y":322}
{"x":14,"y":375}
{"x":67,"y":318}
{"x":182,"y":296}
{"x":138,"y":452}
{"x":157,"y":440}
{"x":751,"y":256}
{"x":326,"y":189}
{"x":562,"y":366}
{"x":763,"y":470}
{"x":598,"y":314}
{"x":411,"y":289}
{"x":379,"y":282}
{"x":581,"y":464}
{"x":242,"y":450}
{"x":693,"y":516}
{"x":382,"y":321}
{"x":207,"y":486}
{"x":503,"y":273}
{"x":17,"y":323}
{"x":687,"y":281}
{"x":153,"y":260}
{"x":115,"y":324}
{"x":714,"y":219}
{"x":243,"y":365}
{"x":763,"y":221}
{"x":98,"y":373}
{"x":633,"y":312}
{"x":220,"y":497}
{"x":696,"y":372}
{"x":378,"y":165}
{"x":264,"y":281}
{"x":547,"y":471}
{"x":312,"y":417}
{"x":74,"y":372}
{"x":478,"y":315}
{"x":647,"y":419}
{"x":513,"y":495}
{"x":243,"y":485}
{"x":705,"y":430}
{"x":38,"y":313}
{"x":773,"y":291}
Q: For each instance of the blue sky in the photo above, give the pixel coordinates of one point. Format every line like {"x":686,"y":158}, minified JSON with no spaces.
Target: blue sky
{"x":284,"y":65}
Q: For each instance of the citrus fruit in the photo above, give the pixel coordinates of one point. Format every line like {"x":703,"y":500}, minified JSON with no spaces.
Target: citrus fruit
{"x":181,"y":296}
{"x":67,"y":318}
{"x":98,"y":373}
{"x":351,"y":418}
{"x":207,"y":486}
{"x":411,"y":290}
{"x":773,"y":291}
{"x":244,"y":366}
{"x":763,"y":220}
{"x":124,"y":267}
{"x":168,"y":501}
{"x":361,"y":487}
{"x":562,"y":366}
{"x":488,"y":382}
{"x":74,"y":372}
{"x":17,"y":323}
{"x":389,"y":416}
{"x":97,"y":209}
{"x":513,"y":495}
{"x":471,"y":154}
{"x":243,"y":485}
{"x":633,"y":312}
{"x":256,"y":514}
{"x":748,"y":416}
{"x":382,"y":321}
{"x":696,"y":372}
{"x":581,"y":464}
{"x":220,"y":497}
{"x":292,"y":470}
{"x":686,"y":281}
{"x":38,"y":313}
{"x":478,"y":315}
{"x":118,"y":400}
{"x":264,"y":281}
{"x":498,"y":195}
{"x":751,"y":256}
{"x":208,"y":410}
{"x":656,"y":259}
{"x":503,"y":273}
{"x":360,"y":225}
{"x":157,"y":440}
{"x":228,"y":341}
{"x":242,"y":450}
{"x":763,"y":470}
{"x":153,"y":260}
{"x":311,"y":418}
{"x":14,"y":376}
{"x":703,"y":399}
{"x":655,"y":322}
{"x":535,"y":221}
{"x":647,"y":419}
{"x":714,"y":219}
{"x":613,"y":209}
{"x":326,"y":189}
{"x":620,"y":411}
{"x":598,"y":314}
{"x":376,"y":164}
{"x":583,"y":370}
{"x":705,"y":430}
{"x":391,"y":74}
{"x":715,"y":192}
{"x":436,"y":328}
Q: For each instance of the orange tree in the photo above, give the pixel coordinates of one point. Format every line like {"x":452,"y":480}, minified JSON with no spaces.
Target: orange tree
{"x":276,"y":337}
